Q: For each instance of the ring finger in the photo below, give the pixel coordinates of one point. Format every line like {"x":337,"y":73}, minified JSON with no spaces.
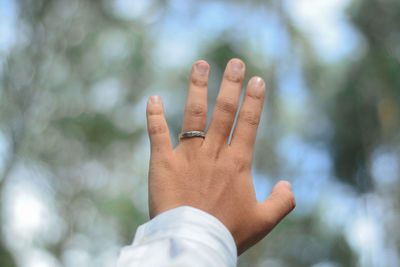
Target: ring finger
{"x":195,"y":114}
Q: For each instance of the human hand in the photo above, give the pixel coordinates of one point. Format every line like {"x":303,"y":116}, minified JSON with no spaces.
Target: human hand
{"x":210,"y":174}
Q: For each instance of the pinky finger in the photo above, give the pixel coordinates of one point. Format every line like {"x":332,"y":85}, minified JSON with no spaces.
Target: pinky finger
{"x":157,"y":127}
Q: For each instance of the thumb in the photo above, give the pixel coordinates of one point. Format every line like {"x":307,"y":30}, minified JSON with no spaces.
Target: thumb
{"x":279,"y":204}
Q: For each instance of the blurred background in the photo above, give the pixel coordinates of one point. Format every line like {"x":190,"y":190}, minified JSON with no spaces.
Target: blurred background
{"x":74,"y":79}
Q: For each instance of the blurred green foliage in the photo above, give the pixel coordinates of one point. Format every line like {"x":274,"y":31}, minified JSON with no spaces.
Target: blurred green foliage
{"x":73,"y":89}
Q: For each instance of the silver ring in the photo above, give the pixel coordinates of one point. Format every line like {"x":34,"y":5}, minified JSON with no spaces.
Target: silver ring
{"x":192,"y":134}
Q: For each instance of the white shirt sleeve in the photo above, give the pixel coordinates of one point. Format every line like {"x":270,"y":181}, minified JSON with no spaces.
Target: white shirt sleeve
{"x":184,"y":237}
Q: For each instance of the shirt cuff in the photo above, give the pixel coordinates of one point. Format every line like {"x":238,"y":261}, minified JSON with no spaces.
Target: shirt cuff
{"x":191,"y":224}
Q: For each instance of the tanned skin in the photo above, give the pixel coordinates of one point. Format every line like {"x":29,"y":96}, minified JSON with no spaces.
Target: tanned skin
{"x":209,"y":173}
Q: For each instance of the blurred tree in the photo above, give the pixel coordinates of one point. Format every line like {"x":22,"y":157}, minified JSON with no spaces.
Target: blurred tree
{"x":75,"y":81}
{"x":364,"y":105}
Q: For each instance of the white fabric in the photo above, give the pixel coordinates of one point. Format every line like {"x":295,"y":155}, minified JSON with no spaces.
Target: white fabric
{"x":184,"y":237}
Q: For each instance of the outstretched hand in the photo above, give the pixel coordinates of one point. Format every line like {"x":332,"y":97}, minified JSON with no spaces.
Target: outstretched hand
{"x":209,"y":173}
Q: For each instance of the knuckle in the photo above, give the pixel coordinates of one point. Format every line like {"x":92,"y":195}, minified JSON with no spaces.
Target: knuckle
{"x":251,"y":118}
{"x":212,"y":153}
{"x":226,"y":105}
{"x":288,"y":201}
{"x":292,"y":201}
{"x":199,"y":81}
{"x":254,"y":95}
{"x":196,"y":110}
{"x":157,"y":128}
{"x":241,"y":163}
{"x":166,"y":164}
{"x":233,"y":77}
{"x":154,"y":111}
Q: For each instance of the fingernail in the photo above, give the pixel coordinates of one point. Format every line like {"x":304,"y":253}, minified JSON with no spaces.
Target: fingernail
{"x":287,"y":185}
{"x":201,"y":68}
{"x":236,"y":65}
{"x":155,"y":99}
{"x":257,"y":82}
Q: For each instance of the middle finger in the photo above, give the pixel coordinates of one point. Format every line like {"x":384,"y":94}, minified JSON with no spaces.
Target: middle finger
{"x":226,"y":104}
